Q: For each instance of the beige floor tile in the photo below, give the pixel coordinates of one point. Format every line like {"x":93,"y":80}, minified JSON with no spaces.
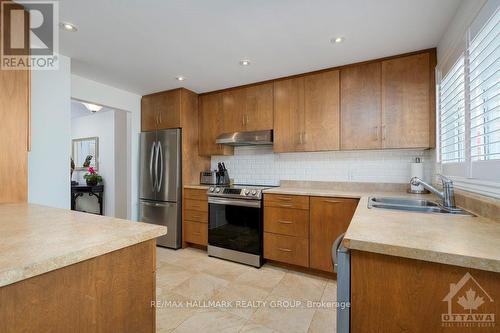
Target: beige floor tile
{"x":254,"y":328}
{"x":330,"y":293}
{"x":300,"y":287}
{"x":286,"y":320}
{"x":171,"y":311}
{"x":170,"y":276}
{"x":211,"y":322}
{"x":244,"y":298}
{"x":201,"y":286}
{"x":264,"y":278}
{"x":324,"y":321}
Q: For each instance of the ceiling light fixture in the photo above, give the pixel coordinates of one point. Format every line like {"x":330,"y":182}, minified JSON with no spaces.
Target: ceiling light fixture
{"x":68,"y":27}
{"x":92,"y":107}
{"x":337,"y":40}
{"x":180,"y":78}
{"x":244,"y":62}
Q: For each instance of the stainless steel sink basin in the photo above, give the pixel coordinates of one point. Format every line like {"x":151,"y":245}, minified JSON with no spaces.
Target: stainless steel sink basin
{"x":413,"y":205}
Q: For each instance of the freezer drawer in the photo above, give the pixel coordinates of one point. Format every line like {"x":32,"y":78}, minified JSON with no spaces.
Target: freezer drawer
{"x":166,"y":214}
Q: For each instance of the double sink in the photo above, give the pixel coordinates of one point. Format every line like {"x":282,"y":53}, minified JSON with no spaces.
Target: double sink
{"x":413,"y":205}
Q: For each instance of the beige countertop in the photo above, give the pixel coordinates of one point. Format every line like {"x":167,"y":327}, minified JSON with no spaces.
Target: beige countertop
{"x":37,"y":239}
{"x":197,"y":186}
{"x":465,"y":241}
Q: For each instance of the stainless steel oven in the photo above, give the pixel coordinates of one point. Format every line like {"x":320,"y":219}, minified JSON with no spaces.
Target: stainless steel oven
{"x":235,"y":224}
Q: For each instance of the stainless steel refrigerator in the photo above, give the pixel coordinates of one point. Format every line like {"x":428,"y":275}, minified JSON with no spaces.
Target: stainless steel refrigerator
{"x":160,"y":183}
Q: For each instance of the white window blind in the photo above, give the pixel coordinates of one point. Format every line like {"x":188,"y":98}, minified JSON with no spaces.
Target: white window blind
{"x":452,"y":114}
{"x":484,"y":87}
{"x":469,"y":108}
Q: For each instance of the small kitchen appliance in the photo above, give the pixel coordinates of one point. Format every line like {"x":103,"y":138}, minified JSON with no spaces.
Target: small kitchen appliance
{"x":208,"y":177}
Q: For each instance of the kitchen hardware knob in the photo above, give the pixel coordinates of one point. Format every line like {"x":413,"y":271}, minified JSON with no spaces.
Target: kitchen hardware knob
{"x":254,"y":192}
{"x":217,"y":190}
{"x":247,"y":192}
{"x":211,"y":189}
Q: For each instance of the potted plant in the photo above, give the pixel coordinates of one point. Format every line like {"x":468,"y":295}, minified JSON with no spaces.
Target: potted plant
{"x":92,"y":177}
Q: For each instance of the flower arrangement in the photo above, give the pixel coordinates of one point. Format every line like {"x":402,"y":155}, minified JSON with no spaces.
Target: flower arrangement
{"x":92,"y":177}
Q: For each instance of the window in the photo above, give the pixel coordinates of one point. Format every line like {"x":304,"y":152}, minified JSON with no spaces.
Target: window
{"x":469,"y":110}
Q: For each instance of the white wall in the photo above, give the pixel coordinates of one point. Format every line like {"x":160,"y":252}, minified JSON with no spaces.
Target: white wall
{"x":91,"y":91}
{"x":260,"y":166}
{"x":101,"y":125}
{"x":122,"y":161}
{"x":49,"y":159}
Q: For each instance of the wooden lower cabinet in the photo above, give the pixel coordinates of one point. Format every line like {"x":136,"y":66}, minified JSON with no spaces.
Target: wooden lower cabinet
{"x":287,"y":249}
{"x":196,"y":232}
{"x":392,"y":294}
{"x":110,"y":293}
{"x":300,"y":230}
{"x":195,"y":217}
{"x":329,"y":218}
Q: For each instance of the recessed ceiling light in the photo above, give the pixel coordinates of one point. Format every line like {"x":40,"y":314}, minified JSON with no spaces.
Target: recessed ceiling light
{"x":180,"y":78}
{"x":337,"y":40}
{"x":92,"y":107}
{"x":68,"y":26}
{"x":244,"y":62}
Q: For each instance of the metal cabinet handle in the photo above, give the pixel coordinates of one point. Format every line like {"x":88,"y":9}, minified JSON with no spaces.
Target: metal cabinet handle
{"x":376,"y":133}
{"x":332,"y":201}
{"x":384,"y":132}
{"x":284,"y":198}
{"x":285,"y":222}
{"x":284,"y":250}
{"x":285,"y":205}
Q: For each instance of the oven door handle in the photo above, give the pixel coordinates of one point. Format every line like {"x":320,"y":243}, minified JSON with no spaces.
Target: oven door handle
{"x":235,"y":202}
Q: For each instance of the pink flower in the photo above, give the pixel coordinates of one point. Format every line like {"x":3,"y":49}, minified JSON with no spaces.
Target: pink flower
{"x":91,"y":170}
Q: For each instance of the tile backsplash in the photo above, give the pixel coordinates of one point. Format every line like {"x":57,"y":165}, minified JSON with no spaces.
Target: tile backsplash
{"x":260,"y":165}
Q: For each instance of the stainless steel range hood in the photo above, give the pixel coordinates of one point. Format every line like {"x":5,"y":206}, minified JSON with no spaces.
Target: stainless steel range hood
{"x":246,"y":138}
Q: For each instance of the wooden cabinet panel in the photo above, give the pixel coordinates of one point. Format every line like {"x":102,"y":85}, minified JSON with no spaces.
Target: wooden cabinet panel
{"x":249,"y":108}
{"x":149,"y":115}
{"x":292,"y":222}
{"x":393,"y":294}
{"x":288,"y":249}
{"x":196,"y":216}
{"x":322,"y":116}
{"x":196,"y":233}
{"x":286,"y":201}
{"x":211,"y":121}
{"x":406,"y":102}
{"x":198,"y":205}
{"x":168,"y":105}
{"x":288,"y":115}
{"x":360,"y":110}
{"x":196,"y":194}
{"x":329,"y":217}
{"x":14,"y":115}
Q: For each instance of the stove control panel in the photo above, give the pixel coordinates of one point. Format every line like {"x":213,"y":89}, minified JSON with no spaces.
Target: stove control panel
{"x":235,"y":192}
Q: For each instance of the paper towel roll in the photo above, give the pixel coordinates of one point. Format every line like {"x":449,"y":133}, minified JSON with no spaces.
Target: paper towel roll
{"x":417,"y":170}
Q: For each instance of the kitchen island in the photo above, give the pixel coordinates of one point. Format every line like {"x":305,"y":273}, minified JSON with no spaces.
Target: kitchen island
{"x":63,"y":271}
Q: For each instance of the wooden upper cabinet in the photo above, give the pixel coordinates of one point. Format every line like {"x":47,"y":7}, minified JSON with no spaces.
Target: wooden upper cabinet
{"x":211,"y":125}
{"x":406,"y":102}
{"x":161,"y":110}
{"x":288,"y":114}
{"x":361,"y":109}
{"x":322,"y":114}
{"x":249,"y":108}
{"x":329,"y":218}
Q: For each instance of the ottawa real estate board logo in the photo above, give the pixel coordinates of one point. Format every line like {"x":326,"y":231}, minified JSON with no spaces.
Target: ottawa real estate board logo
{"x":29,"y":35}
{"x":469,"y":305}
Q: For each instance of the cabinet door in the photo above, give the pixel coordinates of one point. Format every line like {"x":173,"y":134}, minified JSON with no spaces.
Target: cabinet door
{"x":322,"y":123}
{"x":288,"y":115}
{"x":168,"y":107}
{"x":210,"y":126}
{"x":248,"y":109}
{"x":360,"y":108}
{"x":406,"y":102}
{"x":329,"y":218}
{"x":149,"y":114}
{"x":259,"y":107}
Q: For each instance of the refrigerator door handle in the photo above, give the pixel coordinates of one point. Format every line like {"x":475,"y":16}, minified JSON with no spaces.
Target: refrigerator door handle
{"x":152,"y":154}
{"x":157,"y":144}
{"x":160,"y":153}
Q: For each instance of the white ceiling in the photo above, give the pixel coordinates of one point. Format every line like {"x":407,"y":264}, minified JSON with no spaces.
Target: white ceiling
{"x":141,"y":46}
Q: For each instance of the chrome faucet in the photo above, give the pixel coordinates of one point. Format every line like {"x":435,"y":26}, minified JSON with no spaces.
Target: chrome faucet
{"x":447,"y":195}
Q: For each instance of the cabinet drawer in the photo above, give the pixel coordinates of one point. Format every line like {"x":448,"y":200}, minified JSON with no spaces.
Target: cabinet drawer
{"x":198,"y":205}
{"x":286,"y":201}
{"x":195,"y":194}
{"x":196,"y":233}
{"x":196,"y":216}
{"x":286,"y":221}
{"x":288,"y":249}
